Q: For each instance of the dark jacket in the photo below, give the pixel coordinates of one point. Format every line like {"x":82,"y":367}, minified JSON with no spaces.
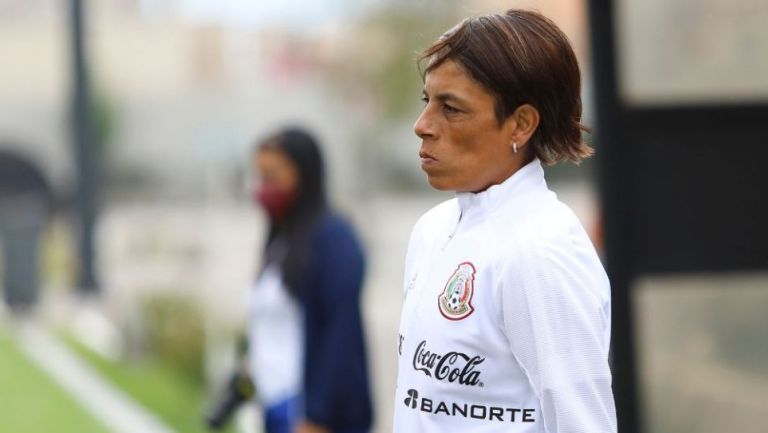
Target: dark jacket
{"x":336,"y":386}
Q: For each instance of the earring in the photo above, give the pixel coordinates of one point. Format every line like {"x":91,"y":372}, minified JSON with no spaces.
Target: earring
{"x":514,"y":147}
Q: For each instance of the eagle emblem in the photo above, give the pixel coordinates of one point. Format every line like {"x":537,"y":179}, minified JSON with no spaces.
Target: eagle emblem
{"x":455,"y":302}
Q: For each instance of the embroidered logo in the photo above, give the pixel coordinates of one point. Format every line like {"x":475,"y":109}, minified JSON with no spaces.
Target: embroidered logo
{"x":456,"y":300}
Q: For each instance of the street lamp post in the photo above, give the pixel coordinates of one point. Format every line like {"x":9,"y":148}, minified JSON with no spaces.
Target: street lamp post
{"x":84,"y":148}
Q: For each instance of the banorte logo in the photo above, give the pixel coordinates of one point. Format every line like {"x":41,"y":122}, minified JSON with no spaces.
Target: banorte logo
{"x":450,"y":367}
{"x":468,"y":410}
{"x":413,"y":398}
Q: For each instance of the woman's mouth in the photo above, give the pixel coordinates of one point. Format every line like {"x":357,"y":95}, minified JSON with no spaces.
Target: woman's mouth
{"x":426,"y":158}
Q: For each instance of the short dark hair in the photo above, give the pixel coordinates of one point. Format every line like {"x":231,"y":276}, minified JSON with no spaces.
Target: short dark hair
{"x":522,"y":57}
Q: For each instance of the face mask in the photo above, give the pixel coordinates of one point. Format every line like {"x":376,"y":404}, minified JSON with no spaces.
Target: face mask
{"x":276,"y":203}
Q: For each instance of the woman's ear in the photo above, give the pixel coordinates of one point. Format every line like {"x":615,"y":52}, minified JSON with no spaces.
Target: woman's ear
{"x":526,"y":120}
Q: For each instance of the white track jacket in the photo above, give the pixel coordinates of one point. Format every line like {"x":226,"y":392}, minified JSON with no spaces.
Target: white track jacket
{"x":506,"y":321}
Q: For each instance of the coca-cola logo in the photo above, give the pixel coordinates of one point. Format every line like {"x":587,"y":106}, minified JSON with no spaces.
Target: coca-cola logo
{"x":452,"y":367}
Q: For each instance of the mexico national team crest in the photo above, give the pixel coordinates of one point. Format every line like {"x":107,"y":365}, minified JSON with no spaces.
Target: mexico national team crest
{"x":456,"y":300}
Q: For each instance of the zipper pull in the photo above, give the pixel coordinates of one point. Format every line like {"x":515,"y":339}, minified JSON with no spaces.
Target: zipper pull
{"x":412,"y":282}
{"x":453,"y":232}
{"x":450,"y":237}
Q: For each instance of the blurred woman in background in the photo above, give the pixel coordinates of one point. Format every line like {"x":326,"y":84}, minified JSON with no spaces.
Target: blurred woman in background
{"x":307,"y":346}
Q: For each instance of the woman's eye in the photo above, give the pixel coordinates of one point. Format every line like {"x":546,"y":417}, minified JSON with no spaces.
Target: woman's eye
{"x":424,"y":99}
{"x":450,"y":109}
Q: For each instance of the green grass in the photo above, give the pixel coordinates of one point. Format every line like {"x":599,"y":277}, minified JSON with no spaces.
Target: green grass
{"x":176,"y":399}
{"x":31,"y":402}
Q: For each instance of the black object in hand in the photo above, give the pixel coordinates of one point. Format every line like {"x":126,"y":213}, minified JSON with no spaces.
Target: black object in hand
{"x":239,"y":390}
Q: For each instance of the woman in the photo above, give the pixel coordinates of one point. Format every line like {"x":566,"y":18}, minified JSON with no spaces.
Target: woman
{"x":307,"y":350}
{"x":506,"y":320}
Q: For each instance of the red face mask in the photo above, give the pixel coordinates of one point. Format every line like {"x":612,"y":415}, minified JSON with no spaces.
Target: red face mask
{"x":276,"y":203}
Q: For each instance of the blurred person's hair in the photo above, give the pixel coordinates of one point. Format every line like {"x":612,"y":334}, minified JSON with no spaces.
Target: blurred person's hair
{"x":521,"y":57}
{"x":288,"y":242}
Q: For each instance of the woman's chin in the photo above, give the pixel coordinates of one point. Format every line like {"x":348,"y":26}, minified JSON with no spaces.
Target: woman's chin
{"x":440,"y":183}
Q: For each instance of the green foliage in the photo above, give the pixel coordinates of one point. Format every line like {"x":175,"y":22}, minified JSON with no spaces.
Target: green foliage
{"x":31,"y":402}
{"x":174,"y":334}
{"x":390,"y":40}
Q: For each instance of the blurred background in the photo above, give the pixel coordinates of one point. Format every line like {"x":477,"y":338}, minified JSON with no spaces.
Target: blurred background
{"x":130,"y":241}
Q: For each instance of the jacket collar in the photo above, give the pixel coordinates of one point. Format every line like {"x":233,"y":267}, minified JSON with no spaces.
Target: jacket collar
{"x":530,"y":178}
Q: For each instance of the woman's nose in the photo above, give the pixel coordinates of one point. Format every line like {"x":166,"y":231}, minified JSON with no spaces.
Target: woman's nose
{"x":423,"y":127}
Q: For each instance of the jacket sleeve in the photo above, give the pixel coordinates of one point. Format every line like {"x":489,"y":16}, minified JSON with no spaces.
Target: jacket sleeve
{"x":556,"y":315}
{"x":335,"y":360}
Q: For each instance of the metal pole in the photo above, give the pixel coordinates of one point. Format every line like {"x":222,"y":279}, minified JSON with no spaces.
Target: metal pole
{"x":85,"y":149}
{"x":616,"y":196}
